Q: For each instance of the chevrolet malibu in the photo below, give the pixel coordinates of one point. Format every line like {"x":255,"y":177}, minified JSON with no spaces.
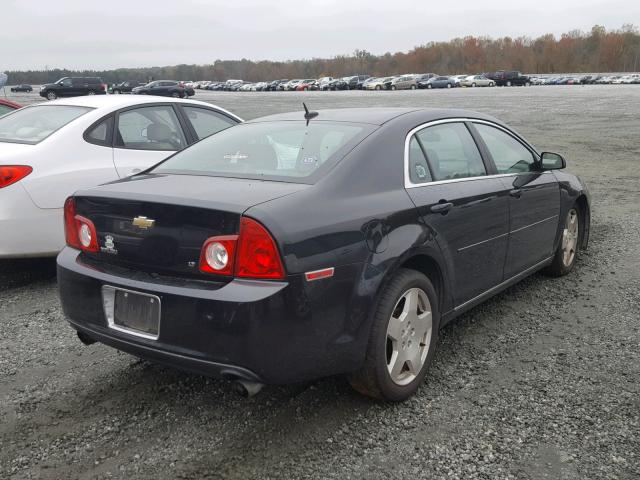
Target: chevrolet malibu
{"x":303,"y":245}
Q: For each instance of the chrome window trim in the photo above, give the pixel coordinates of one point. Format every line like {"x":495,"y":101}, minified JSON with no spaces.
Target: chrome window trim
{"x":407,"y":179}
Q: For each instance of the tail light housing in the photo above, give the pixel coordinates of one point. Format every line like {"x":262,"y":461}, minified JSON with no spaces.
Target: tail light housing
{"x":80,"y":232}
{"x":250,"y":254}
{"x":10,"y":174}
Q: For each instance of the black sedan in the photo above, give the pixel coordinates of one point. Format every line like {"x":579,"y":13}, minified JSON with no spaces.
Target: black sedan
{"x":22,"y":88}
{"x":303,"y":245}
{"x":164,"y":88}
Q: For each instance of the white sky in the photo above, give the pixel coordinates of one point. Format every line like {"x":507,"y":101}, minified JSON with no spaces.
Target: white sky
{"x":134,"y":33}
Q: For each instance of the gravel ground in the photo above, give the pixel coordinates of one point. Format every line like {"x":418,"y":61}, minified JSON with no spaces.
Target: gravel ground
{"x":540,"y":382}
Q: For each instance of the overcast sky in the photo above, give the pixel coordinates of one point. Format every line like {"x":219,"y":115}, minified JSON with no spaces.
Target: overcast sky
{"x":105,"y":34}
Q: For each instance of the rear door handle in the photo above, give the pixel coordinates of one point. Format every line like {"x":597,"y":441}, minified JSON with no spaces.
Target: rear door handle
{"x":442,"y":208}
{"x":516,"y":193}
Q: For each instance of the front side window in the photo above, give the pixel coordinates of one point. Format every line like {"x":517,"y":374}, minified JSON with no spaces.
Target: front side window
{"x":284,"y":151}
{"x":67,"y":82}
{"x":207,"y":122}
{"x":451,"y":151}
{"x":150,"y":128}
{"x":509,"y":155}
{"x":31,"y":125}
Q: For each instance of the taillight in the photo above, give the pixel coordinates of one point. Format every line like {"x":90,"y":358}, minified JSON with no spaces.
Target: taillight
{"x":251,"y":254}
{"x":10,"y":174}
{"x":218,"y":254}
{"x":80,"y":232}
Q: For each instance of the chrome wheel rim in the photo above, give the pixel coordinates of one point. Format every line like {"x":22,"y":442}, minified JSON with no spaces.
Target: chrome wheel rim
{"x":570,"y":238}
{"x":408,"y":336}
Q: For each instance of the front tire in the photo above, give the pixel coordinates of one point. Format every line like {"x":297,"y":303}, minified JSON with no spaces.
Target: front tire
{"x":51,"y":95}
{"x":393,"y":87}
{"x":429,"y":86}
{"x":565,"y":257}
{"x":402,"y":340}
{"x":413,"y":87}
{"x":175,"y":94}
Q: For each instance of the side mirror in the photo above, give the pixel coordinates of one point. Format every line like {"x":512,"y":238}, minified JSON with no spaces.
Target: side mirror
{"x":552,"y":161}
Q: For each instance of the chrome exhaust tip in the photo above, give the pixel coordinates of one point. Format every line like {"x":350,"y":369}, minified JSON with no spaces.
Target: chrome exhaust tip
{"x":246,"y":388}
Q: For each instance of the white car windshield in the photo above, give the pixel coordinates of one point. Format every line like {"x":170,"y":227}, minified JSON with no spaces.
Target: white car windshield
{"x":289,"y":151}
{"x":31,"y":125}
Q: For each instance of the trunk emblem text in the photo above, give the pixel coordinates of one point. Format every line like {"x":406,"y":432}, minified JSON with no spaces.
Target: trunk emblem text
{"x":143,"y":223}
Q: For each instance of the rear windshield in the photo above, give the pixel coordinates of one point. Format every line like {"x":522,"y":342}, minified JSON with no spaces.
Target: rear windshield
{"x":287,"y":151}
{"x":31,"y":125}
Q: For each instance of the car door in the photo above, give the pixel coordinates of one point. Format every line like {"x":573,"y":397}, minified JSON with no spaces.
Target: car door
{"x":534,"y":198}
{"x":146,"y":135}
{"x":463,"y":204}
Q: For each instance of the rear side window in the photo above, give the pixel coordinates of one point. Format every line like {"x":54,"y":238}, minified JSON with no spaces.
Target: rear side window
{"x":509,"y":155}
{"x":100,"y":134}
{"x":4,"y":109}
{"x":418,"y":167}
{"x":207,"y":122}
{"x":285,"y":151}
{"x":33,"y":124}
{"x":451,"y":151}
{"x":150,"y":128}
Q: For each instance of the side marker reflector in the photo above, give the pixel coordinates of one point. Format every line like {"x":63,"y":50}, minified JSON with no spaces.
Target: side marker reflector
{"x":319,"y":274}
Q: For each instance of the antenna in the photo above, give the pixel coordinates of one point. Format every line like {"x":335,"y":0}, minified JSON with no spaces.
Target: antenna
{"x":307,"y":114}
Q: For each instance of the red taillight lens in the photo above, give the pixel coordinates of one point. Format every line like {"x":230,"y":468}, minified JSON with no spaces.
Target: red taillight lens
{"x":257,"y":255}
{"x":80,"y":232}
{"x":218,"y":254}
{"x":10,"y":174}
{"x":251,"y":254}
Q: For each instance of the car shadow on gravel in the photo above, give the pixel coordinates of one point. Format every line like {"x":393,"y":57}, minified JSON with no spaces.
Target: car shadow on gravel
{"x":17,"y":273}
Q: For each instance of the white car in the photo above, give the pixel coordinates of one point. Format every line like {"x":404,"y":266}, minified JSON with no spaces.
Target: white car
{"x":50,"y":150}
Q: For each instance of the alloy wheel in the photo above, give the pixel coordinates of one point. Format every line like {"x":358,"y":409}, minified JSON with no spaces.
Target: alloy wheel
{"x":570,"y":237}
{"x":409,"y":336}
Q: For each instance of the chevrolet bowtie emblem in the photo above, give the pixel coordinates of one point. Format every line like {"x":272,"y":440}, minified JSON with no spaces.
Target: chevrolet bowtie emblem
{"x":143,"y":223}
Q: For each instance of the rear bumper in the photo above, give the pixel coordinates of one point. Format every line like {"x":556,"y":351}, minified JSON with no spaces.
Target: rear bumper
{"x":271,"y":332}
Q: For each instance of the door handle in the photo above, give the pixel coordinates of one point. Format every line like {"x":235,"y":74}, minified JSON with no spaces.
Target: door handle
{"x":442,"y":208}
{"x":516,"y":193}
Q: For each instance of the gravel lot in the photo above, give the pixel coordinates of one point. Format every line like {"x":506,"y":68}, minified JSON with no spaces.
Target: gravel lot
{"x":540,"y":382}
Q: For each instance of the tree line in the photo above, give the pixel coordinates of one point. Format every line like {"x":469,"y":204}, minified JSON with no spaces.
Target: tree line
{"x":599,"y":50}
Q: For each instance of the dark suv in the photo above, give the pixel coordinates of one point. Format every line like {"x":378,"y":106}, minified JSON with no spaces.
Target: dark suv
{"x":165,"y":88}
{"x":504,"y":78}
{"x":73,"y":87}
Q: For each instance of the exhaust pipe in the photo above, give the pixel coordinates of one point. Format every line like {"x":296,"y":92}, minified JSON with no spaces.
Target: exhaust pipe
{"x":247,"y":388}
{"x":86,"y":339}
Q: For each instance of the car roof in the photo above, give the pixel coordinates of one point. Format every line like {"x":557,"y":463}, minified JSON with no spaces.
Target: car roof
{"x":115,"y":102}
{"x":377,"y":115}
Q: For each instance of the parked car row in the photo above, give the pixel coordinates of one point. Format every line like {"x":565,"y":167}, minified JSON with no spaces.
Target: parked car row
{"x":630,"y":79}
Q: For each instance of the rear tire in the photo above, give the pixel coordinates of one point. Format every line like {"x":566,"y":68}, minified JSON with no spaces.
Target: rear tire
{"x":567,"y":252}
{"x":473,"y":84}
{"x":413,"y":87}
{"x":175,"y":94}
{"x":491,"y":84}
{"x":448,"y":85}
{"x":393,"y":87}
{"x":508,"y":83}
{"x":402,"y":339}
{"x":91,"y":92}
{"x":378,"y":87}
{"x":429,"y":86}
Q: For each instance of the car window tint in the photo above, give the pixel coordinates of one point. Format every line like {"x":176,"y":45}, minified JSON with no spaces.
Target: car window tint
{"x":418,"y":167}
{"x":33,"y":124}
{"x":67,"y":82}
{"x":4,"y":109}
{"x":509,"y":155}
{"x":284,"y":151}
{"x":150,"y":128}
{"x":101,"y":133}
{"x":451,"y":151}
{"x":207,"y":122}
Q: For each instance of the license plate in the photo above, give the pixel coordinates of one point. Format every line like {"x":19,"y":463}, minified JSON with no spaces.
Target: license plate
{"x":132,"y":312}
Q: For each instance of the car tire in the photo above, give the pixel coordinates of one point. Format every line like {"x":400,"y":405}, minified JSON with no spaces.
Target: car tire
{"x":393,"y":87}
{"x":566,"y":254}
{"x":413,"y":87}
{"x":378,"y":87}
{"x":448,"y":85}
{"x":527,"y":84}
{"x":508,"y":83}
{"x":429,"y":86}
{"x":91,"y":92}
{"x":117,"y":92}
{"x":175,"y":94}
{"x":51,"y":95}
{"x":382,"y":375}
{"x":491,"y":84}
